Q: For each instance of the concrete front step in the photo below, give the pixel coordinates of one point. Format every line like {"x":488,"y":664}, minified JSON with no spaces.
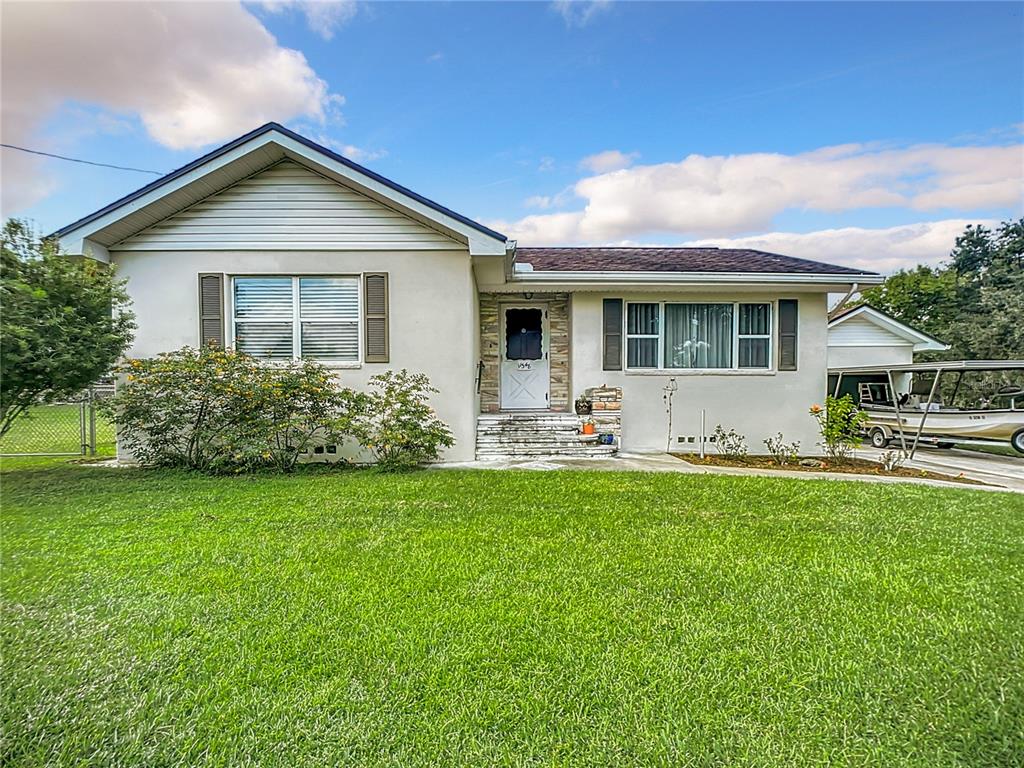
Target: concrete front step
{"x":576,"y":453}
{"x":535,"y":435}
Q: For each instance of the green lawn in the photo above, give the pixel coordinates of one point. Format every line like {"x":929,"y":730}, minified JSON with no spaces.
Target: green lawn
{"x":53,"y":429}
{"x":507,"y":618}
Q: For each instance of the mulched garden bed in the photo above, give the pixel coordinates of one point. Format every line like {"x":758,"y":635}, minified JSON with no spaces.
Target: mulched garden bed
{"x":846,"y":466}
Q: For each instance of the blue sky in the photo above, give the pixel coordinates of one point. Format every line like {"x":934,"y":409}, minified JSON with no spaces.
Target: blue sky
{"x":494,"y":108}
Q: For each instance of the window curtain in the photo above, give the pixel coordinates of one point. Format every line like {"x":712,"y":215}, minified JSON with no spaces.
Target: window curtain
{"x":698,"y":335}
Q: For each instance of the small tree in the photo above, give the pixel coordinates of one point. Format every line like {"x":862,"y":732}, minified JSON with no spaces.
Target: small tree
{"x":64,"y":322}
{"x":398,"y":425}
{"x":840,"y":424}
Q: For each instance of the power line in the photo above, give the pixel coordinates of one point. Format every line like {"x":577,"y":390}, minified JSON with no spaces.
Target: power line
{"x":77,"y":160}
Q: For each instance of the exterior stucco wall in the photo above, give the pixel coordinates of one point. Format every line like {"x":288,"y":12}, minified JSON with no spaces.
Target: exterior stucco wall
{"x":756,"y":404}
{"x":895,"y":354}
{"x":433,"y":310}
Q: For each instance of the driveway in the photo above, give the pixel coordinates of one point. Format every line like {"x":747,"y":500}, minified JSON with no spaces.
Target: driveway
{"x":1007,"y":471}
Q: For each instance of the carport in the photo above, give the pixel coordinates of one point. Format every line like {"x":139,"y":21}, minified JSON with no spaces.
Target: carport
{"x":894,"y":411}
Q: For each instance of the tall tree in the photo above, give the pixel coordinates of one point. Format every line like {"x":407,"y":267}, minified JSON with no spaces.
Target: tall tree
{"x":974,"y":302}
{"x":64,"y":322}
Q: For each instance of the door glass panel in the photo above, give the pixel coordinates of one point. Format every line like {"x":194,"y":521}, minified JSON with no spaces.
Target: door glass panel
{"x":523,"y":334}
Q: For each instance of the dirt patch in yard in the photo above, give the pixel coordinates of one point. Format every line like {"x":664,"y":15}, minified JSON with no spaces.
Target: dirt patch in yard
{"x":845,"y":466}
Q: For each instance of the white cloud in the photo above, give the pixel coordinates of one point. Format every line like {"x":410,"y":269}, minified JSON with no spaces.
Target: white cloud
{"x":579,"y":13}
{"x":733,"y":195}
{"x":436,"y":56}
{"x":544,"y":202}
{"x":546,"y":164}
{"x":351,"y":151}
{"x":193,"y":73}
{"x":607,"y":161}
{"x":323,"y":17}
{"x":878,"y":250}
{"x":538,"y":201}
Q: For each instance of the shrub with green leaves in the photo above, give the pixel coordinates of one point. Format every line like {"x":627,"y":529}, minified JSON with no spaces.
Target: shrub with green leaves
{"x":782,"y":453}
{"x":840,"y":423}
{"x":398,"y":425}
{"x":730,"y":444}
{"x":220,"y":410}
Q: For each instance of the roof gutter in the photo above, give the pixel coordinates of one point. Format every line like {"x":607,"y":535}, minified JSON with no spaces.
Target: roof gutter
{"x":724,"y":278}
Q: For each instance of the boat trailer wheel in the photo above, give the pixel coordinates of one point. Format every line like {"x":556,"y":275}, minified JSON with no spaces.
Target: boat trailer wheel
{"x":878,"y":438}
{"x":1017,"y":441}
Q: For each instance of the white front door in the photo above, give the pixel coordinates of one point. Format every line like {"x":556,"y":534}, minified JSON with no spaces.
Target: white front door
{"x":524,"y":356}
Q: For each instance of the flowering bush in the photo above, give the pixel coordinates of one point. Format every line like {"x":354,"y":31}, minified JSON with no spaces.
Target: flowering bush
{"x":398,"y":425}
{"x":730,"y":444}
{"x":782,"y":453}
{"x":221,"y":410}
{"x":840,"y":424}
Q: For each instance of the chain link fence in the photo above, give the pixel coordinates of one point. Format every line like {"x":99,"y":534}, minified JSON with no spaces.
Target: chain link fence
{"x":71,"y":428}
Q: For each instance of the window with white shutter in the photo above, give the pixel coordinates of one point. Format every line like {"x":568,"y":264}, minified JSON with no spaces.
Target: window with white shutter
{"x":281,"y":318}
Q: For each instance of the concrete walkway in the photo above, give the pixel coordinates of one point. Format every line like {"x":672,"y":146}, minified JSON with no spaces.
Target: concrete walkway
{"x":661,"y":462}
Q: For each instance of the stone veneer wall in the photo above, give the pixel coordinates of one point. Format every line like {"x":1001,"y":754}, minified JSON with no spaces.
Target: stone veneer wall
{"x":606,"y":410}
{"x":490,"y":347}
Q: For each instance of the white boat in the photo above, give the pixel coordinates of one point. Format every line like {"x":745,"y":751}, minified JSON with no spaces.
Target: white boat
{"x":953,"y":424}
{"x":916,"y":413}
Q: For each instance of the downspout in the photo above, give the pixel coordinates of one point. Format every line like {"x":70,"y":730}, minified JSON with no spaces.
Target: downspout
{"x":510,"y":259}
{"x":849,"y":293}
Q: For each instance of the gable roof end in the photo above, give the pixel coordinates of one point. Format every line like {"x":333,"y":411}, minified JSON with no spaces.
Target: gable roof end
{"x":922,"y":341}
{"x":286,"y":141}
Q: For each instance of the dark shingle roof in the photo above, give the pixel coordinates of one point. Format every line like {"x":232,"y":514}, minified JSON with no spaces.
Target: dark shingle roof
{"x":673,"y":260}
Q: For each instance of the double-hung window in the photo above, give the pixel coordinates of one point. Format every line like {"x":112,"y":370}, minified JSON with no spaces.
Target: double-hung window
{"x":754,"y":336}
{"x":282,"y":318}
{"x":642,"y":326}
{"x":698,"y":336}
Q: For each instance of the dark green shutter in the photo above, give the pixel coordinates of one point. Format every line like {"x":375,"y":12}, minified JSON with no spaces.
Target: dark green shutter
{"x":613,"y":334}
{"x":788,"y":322}
{"x":211,"y":309}
{"x":375,"y":311}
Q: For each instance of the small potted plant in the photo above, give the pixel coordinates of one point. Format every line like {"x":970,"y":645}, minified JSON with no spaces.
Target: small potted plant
{"x":584,"y":406}
{"x":588,"y":427}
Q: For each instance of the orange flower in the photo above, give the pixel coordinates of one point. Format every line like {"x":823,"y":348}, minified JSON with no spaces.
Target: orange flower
{"x":815,"y":409}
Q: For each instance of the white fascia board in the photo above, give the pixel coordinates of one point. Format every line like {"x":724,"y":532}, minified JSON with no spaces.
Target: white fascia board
{"x":479,"y":243}
{"x":82,"y":246}
{"x":931,"y":346}
{"x":601,"y":279}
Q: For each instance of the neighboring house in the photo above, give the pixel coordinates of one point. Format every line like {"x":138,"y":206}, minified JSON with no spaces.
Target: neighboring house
{"x":863,"y":335}
{"x":280,"y":247}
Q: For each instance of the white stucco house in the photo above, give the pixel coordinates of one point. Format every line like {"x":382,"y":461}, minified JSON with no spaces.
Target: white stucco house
{"x":283,"y":248}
